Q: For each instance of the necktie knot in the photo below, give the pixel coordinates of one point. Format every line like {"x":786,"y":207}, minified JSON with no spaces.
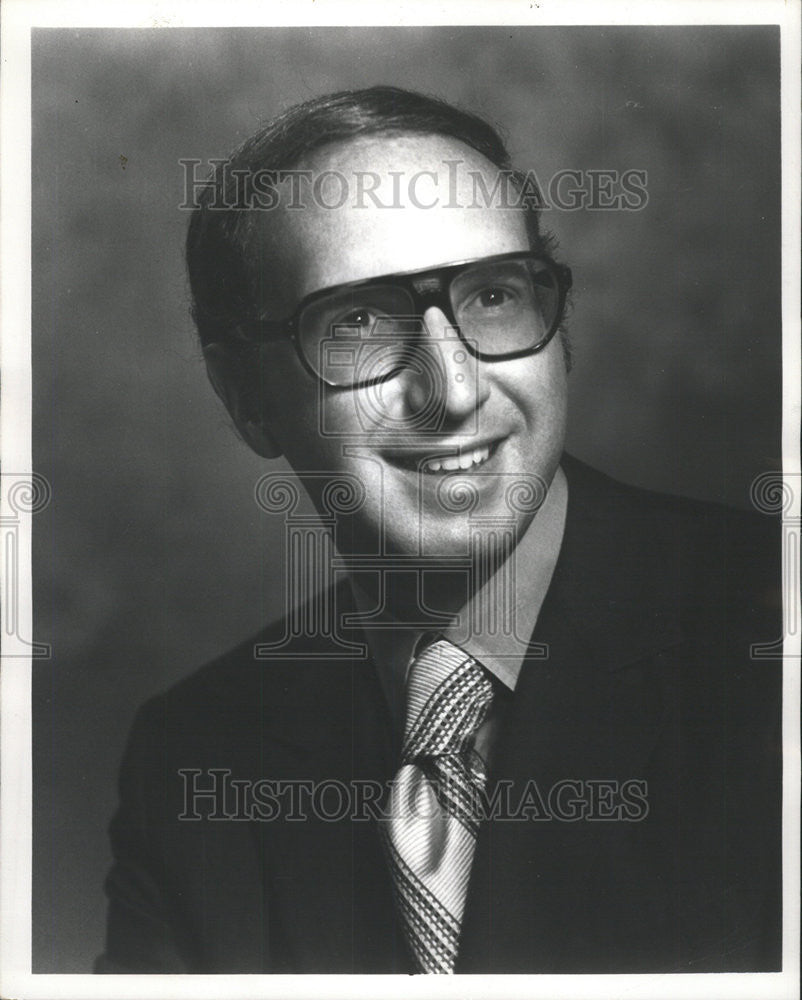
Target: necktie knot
{"x":448,"y":698}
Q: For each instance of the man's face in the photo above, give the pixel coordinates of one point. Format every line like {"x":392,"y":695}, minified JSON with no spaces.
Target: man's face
{"x":504,"y":420}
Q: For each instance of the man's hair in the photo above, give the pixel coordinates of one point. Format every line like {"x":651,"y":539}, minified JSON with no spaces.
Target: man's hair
{"x":226,"y":283}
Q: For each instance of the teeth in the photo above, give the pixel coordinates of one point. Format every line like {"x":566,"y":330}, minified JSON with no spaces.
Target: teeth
{"x":452,"y":463}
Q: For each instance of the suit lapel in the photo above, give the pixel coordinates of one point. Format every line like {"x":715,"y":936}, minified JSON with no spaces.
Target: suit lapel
{"x":588,"y":712}
{"x":327,"y":887}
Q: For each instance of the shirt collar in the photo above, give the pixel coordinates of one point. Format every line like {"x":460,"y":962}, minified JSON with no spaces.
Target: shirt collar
{"x":500,"y":646}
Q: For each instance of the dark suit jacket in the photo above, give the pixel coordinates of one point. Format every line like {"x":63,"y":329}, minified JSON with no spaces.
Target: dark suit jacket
{"x":648,"y":621}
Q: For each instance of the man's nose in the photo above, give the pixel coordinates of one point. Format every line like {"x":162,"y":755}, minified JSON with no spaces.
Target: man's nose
{"x":445,"y":378}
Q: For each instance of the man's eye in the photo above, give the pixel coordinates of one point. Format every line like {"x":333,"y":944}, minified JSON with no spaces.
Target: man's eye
{"x":362,"y":318}
{"x":493,"y":298}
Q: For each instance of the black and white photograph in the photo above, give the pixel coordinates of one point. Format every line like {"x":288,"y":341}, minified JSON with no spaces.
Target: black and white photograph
{"x":401,"y":502}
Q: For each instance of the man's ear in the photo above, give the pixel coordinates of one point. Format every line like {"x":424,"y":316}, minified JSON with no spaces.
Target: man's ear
{"x":235,"y":387}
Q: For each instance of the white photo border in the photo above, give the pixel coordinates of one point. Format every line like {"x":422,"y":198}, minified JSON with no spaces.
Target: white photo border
{"x":18,"y":18}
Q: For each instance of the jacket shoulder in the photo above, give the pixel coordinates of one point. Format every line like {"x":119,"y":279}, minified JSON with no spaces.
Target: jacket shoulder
{"x":706,"y":546}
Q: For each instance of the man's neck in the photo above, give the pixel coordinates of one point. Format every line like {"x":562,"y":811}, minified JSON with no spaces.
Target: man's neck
{"x":492,"y":620}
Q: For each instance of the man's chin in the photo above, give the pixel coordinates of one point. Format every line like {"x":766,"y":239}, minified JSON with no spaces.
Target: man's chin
{"x":460,"y":546}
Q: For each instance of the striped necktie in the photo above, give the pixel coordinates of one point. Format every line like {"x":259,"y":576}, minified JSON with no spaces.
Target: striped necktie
{"x":431,"y":827}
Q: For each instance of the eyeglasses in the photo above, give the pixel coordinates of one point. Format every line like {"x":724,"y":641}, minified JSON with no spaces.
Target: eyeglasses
{"x":363,"y":332}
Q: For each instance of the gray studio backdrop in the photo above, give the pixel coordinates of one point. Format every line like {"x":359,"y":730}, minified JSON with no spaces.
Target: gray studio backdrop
{"x":152,"y":556}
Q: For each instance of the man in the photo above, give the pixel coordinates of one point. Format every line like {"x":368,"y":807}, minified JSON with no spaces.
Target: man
{"x":537,"y":699}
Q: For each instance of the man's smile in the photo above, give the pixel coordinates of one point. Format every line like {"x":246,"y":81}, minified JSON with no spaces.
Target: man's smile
{"x":445,"y":459}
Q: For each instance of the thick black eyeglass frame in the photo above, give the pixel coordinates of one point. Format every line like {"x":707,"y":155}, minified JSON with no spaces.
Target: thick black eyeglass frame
{"x":438,"y":294}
